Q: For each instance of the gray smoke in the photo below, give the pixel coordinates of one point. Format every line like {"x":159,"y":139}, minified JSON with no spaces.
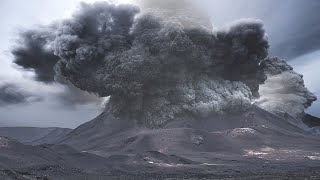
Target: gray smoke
{"x":11,"y":94}
{"x":188,"y":12}
{"x":161,"y":64}
{"x":284,"y":90}
{"x":34,"y":52}
{"x":157,"y":68}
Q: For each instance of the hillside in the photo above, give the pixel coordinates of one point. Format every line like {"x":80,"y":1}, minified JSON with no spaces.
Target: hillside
{"x":34,"y":135}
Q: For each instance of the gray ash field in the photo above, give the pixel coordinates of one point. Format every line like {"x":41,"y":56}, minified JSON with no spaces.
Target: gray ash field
{"x":252,"y":145}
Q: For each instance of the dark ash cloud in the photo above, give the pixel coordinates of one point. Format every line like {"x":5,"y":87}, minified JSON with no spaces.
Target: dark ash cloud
{"x":160,"y":64}
{"x":156,"y":69}
{"x":11,"y":94}
{"x":32,"y":52}
{"x":72,"y":95}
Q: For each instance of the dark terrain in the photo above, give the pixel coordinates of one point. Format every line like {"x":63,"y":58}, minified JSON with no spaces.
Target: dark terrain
{"x":311,"y":121}
{"x":33,"y":135}
{"x":252,"y":145}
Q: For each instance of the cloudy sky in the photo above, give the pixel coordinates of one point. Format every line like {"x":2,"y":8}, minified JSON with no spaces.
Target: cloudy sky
{"x":293,"y":27}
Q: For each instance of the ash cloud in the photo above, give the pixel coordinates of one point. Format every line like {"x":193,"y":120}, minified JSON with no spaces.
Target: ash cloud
{"x":33,"y":52}
{"x":11,"y":94}
{"x":157,"y":68}
{"x":160,"y":64}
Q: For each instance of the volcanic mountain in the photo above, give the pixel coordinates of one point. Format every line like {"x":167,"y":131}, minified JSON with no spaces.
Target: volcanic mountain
{"x":256,"y":130}
{"x":34,"y":135}
{"x":249,"y":142}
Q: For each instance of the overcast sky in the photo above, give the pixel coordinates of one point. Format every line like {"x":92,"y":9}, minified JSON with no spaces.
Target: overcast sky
{"x":293,"y":27}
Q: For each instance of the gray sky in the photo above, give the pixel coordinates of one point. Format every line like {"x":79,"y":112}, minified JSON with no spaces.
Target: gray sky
{"x":291,"y":25}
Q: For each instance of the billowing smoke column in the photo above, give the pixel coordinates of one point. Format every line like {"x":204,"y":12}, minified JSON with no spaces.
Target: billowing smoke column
{"x":154,"y":68}
{"x":157,"y":66}
{"x":34,"y":52}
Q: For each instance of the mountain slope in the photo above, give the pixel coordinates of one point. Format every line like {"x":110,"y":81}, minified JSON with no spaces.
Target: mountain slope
{"x":34,"y":135}
{"x":19,"y":161}
{"x":24,"y":134}
{"x":311,"y":121}
{"x":255,"y":144}
{"x":234,"y":134}
{"x":52,"y":137}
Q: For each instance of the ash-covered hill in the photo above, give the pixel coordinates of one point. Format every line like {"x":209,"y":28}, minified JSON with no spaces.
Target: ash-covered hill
{"x":34,"y":135}
{"x":255,"y":144}
{"x":237,"y":134}
{"x":19,"y":161}
{"x":52,"y":137}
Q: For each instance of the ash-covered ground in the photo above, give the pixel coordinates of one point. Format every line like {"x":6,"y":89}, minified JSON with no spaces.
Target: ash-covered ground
{"x":186,"y":100}
{"x":251,"y":145}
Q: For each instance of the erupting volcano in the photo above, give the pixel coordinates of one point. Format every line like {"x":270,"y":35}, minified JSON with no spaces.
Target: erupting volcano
{"x":184,"y":99}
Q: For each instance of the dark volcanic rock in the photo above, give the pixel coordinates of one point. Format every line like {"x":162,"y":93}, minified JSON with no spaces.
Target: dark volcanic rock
{"x":311,"y":121}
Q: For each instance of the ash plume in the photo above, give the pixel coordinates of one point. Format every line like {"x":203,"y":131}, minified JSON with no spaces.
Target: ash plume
{"x":156,"y":69}
{"x":160,"y":64}
{"x":33,"y":52}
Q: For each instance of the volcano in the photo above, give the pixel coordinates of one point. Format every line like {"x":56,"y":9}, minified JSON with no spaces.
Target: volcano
{"x":253,"y":131}
{"x":184,"y":100}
